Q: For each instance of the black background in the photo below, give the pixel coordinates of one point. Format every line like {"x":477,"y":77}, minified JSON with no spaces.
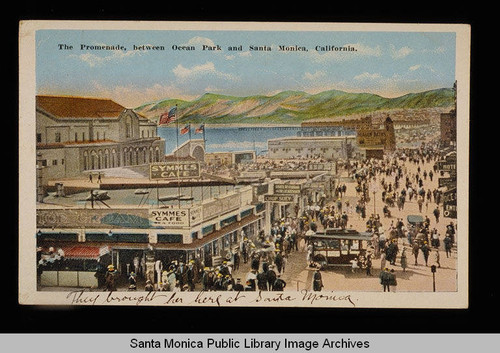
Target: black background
{"x":483,"y":232}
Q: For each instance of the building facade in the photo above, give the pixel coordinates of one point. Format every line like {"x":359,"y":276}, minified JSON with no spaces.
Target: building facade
{"x":76,"y":134}
{"x":372,"y":140}
{"x":329,"y":147}
{"x":448,"y":128}
{"x":206,"y":232}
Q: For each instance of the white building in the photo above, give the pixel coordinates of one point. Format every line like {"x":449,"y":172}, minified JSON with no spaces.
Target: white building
{"x":76,"y":134}
{"x":326,"y":147}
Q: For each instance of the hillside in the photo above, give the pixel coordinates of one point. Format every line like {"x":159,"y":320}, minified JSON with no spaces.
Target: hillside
{"x":290,"y":107}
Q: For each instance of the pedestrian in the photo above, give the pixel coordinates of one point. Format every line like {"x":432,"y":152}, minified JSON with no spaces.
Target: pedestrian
{"x":252,"y":279}
{"x":279,"y":285}
{"x":450,"y":229}
{"x":420,"y":202}
{"x":190,"y":276}
{"x":392,"y":251}
{"x":262,"y":281}
{"x":100,"y":274}
{"x":416,"y":250}
{"x":317,"y":281}
{"x":278,"y":260}
{"x":392,"y":280}
{"x":238,"y":286}
{"x":368,"y":265}
{"x":219,"y":282}
{"x":171,"y":278}
{"x":435,"y":242}
{"x":354,"y":265}
{"x":180,"y":274}
{"x":132,"y":282}
{"x":385,"y":279}
{"x":448,"y":243}
{"x":404,"y":261}
{"x":236,"y":260}
{"x":99,"y":178}
{"x":205,"y":279}
{"x":110,"y":278}
{"x":285,"y":261}
{"x":244,"y":249}
{"x":149,"y":287}
{"x":436,"y":213}
{"x":90,"y":177}
{"x":383,"y":260}
{"x":164,"y":284}
{"x":425,"y":251}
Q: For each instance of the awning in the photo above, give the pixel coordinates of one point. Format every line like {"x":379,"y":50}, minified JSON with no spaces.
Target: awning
{"x":84,"y":252}
{"x":198,"y":243}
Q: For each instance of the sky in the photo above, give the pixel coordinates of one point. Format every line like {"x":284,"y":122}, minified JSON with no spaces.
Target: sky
{"x":390,"y":64}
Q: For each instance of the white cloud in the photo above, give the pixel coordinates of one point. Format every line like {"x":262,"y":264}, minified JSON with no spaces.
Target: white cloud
{"x":438,"y":50}
{"x":131,"y":96}
{"x":183,"y":73}
{"x":422,"y":67}
{"x":367,"y":76}
{"x":401,"y":52}
{"x":200,"y":41}
{"x":314,"y":76}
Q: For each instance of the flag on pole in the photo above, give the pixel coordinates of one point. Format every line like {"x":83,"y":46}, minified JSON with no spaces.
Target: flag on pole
{"x":200,"y":129}
{"x":185,"y":129}
{"x":168,"y":117}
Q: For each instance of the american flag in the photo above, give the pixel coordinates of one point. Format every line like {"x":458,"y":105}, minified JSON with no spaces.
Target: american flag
{"x":168,"y":117}
{"x":200,"y":129}
{"x":185,"y":129}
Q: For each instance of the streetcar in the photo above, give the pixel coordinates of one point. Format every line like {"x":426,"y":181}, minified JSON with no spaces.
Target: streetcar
{"x":338,"y":247}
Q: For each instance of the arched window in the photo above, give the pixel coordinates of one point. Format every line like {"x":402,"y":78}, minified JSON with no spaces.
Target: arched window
{"x":128,"y":127}
{"x":100,"y":160}
{"x":106,"y":158}
{"x":93,"y":160}
{"x":85,"y":160}
{"x":136,"y":156}
{"x":125,"y":156}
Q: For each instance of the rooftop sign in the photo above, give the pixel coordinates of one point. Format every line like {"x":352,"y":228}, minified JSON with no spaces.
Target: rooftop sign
{"x":174,"y":170}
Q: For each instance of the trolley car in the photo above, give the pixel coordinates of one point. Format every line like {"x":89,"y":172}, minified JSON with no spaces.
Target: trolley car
{"x":337,"y":247}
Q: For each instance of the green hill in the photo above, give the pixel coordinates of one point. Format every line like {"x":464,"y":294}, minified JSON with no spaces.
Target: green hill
{"x":290,"y":107}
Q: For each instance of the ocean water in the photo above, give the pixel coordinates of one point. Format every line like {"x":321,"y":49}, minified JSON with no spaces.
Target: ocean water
{"x":225,"y":139}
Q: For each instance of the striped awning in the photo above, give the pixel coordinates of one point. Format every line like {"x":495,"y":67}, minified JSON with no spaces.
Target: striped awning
{"x":84,"y":252}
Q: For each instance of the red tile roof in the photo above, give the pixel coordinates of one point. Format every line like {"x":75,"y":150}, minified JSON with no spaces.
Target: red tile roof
{"x":79,"y":107}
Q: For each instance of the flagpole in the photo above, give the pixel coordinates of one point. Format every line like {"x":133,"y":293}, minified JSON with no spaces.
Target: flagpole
{"x":178,"y":164}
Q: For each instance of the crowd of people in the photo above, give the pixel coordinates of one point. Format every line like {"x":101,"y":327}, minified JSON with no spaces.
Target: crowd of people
{"x":406,"y":176}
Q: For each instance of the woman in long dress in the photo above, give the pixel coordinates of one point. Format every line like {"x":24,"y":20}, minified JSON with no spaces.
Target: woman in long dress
{"x":404,"y":262}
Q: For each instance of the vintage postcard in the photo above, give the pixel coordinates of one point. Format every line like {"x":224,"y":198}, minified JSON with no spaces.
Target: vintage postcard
{"x":243,"y":164}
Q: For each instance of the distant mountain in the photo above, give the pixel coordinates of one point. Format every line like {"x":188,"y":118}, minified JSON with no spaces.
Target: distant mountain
{"x":290,"y":107}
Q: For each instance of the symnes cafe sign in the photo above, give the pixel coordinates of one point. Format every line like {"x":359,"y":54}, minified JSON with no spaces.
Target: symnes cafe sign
{"x":174,"y":170}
